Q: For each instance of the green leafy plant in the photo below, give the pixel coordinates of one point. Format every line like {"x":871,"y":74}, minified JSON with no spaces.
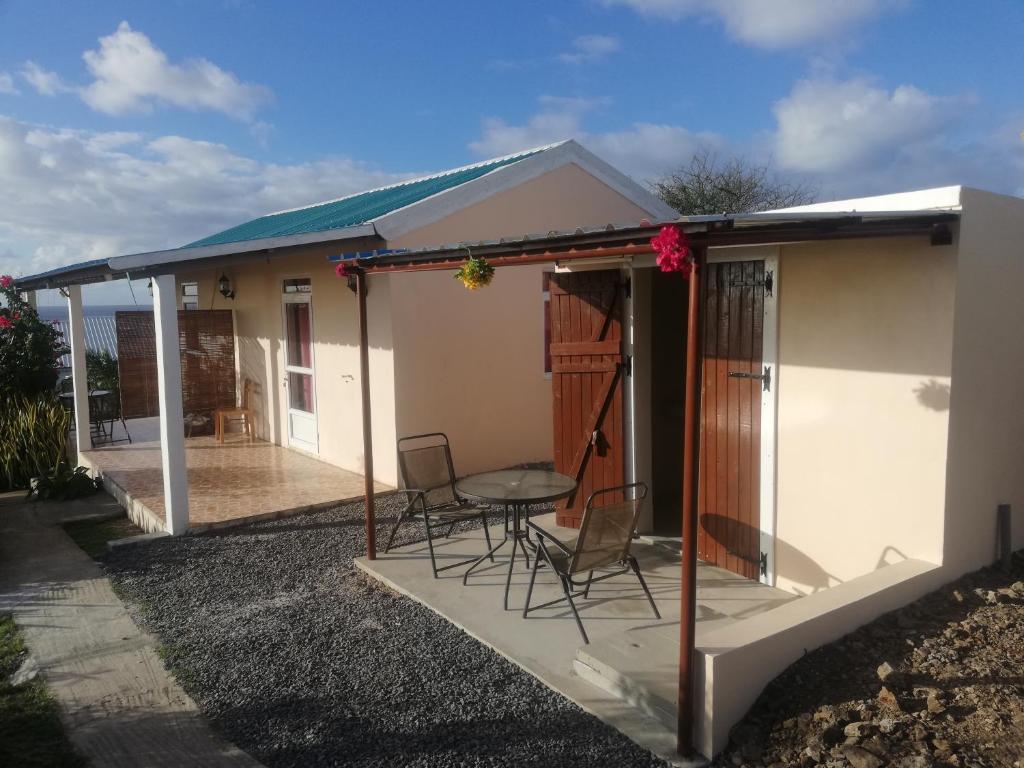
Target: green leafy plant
{"x":29,"y":347}
{"x":102,"y":370}
{"x":33,"y":439}
{"x":65,"y":484}
{"x":475,"y":272}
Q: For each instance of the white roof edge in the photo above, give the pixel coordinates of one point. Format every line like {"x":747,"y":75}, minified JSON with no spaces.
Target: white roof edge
{"x":438,"y":175}
{"x":934,"y":199}
{"x":436,"y":207}
{"x":134,"y":261}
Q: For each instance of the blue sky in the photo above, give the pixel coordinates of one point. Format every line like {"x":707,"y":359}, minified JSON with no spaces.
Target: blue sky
{"x":135,"y":126}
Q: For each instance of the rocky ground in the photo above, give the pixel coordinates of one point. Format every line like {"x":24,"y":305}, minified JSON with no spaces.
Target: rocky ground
{"x":938,"y":683}
{"x":301,"y":660}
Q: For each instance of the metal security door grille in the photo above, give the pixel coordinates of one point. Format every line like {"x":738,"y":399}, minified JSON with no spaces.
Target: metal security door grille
{"x":587,"y":388}
{"x":734,"y":377}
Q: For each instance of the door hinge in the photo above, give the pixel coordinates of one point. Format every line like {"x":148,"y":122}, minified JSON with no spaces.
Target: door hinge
{"x":767,"y":283}
{"x":766,"y":377}
{"x":761,"y":561}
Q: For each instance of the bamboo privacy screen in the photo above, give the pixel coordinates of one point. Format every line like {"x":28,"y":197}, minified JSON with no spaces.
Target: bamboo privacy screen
{"x":206,"y":341}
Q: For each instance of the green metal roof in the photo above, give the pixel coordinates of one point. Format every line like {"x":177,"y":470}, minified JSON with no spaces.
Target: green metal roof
{"x":356,"y":209}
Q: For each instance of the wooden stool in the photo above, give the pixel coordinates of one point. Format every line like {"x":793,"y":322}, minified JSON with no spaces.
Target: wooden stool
{"x":243,"y":413}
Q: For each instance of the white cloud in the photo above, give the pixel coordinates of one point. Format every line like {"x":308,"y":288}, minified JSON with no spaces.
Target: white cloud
{"x":45,"y":82}
{"x":770,"y":23}
{"x":131,"y":74}
{"x":828,"y":126}
{"x":587,"y":48}
{"x":643,"y":150}
{"x":70,"y":195}
{"x":7,"y":84}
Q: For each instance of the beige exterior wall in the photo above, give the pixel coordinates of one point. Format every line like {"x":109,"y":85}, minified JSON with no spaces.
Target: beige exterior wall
{"x":471,"y":363}
{"x":468,"y":363}
{"x":986,"y":434}
{"x":259,"y":328}
{"x":865,"y":351}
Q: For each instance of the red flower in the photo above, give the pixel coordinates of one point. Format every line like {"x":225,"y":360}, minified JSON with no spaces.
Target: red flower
{"x":673,"y":249}
{"x":344,"y":269}
{"x":6,"y":281}
{"x":5,"y":322}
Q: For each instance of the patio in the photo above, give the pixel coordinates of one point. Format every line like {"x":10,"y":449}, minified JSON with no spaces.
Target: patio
{"x":627,"y":674}
{"x":228,"y":483}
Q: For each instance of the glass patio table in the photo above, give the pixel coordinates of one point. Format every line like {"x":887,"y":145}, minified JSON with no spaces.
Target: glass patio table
{"x":516,"y":490}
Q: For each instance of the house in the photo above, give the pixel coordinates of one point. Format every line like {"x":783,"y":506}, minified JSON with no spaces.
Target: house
{"x":859,"y":361}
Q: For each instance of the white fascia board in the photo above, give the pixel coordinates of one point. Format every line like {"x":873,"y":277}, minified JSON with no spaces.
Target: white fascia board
{"x":419,"y":214}
{"x":174,"y":256}
{"x":938,"y":198}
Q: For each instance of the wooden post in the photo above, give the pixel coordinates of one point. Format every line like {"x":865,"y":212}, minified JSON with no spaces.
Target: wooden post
{"x":691,"y":459}
{"x":79,"y":375}
{"x":172,"y":421}
{"x":364,"y":383}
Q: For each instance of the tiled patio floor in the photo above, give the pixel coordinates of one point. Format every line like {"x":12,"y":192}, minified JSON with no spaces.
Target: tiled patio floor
{"x":231,"y":482}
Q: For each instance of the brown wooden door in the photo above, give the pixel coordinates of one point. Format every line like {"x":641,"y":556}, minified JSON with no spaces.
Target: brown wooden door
{"x":586,"y":378}
{"x":733,"y":381}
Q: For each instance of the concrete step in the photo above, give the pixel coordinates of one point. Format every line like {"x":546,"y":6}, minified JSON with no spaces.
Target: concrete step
{"x":621,"y":665}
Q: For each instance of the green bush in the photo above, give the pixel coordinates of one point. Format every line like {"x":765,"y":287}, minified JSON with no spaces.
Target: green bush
{"x":33,"y":439}
{"x":29,"y":347}
{"x":65,"y":484}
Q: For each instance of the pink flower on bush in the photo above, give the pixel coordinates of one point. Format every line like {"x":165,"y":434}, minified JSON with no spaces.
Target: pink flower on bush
{"x":673,"y":249}
{"x":6,"y":281}
{"x":5,"y":322}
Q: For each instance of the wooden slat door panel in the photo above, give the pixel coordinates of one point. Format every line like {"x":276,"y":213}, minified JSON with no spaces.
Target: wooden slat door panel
{"x":730,"y":428}
{"x":587,"y":383}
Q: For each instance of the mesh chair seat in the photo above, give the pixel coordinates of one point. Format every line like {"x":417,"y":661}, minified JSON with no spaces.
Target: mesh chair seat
{"x":605,"y":535}
{"x":428,"y":475}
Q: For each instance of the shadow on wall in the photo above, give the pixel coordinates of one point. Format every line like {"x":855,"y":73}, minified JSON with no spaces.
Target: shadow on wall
{"x":791,"y":563}
{"x":933,"y":395}
{"x":252,"y":366}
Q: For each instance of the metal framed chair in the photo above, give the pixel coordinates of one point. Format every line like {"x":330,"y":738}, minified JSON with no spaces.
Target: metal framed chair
{"x":425,"y":462}
{"x":606,"y":533}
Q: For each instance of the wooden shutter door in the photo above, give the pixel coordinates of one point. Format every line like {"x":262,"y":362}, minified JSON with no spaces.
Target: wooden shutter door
{"x":586,"y":378}
{"x":733,"y":378}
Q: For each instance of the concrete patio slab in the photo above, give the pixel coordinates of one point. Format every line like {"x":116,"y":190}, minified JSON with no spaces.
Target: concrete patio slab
{"x":547,"y":643}
{"x":230,"y":483}
{"x":119,"y":704}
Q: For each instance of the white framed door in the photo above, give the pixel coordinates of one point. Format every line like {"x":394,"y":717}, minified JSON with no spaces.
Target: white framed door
{"x":299,"y":368}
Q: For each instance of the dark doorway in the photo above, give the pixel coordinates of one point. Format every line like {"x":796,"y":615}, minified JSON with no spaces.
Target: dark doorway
{"x":669,"y":299}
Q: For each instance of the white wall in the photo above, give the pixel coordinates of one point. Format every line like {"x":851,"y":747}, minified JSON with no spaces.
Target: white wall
{"x":865,"y":330}
{"x":986,"y":433}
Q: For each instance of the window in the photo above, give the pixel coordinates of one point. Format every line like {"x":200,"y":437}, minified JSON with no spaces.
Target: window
{"x":190,"y":295}
{"x":297,"y":285}
{"x":545,"y":287}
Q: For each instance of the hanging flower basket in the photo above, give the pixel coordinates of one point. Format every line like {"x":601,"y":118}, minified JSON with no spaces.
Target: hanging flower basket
{"x":475,"y":272}
{"x":673,"y":249}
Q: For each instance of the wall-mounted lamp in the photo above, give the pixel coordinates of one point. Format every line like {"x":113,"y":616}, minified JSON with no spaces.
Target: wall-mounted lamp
{"x":149,"y":286}
{"x":224,"y":286}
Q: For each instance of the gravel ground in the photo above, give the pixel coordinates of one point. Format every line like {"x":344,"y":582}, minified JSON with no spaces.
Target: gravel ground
{"x":937,"y":683}
{"x":301,"y":660}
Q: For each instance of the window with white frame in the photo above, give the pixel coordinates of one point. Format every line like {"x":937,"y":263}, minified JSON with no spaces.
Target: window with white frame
{"x":190,"y":295}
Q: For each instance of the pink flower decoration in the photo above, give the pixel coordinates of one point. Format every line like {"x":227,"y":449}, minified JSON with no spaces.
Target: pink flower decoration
{"x":673,"y":249}
{"x":6,"y":281}
{"x":5,"y":322}
{"x":344,"y":269}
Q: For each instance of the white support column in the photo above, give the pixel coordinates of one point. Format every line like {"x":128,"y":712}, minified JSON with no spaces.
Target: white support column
{"x":79,"y":376}
{"x":172,"y":422}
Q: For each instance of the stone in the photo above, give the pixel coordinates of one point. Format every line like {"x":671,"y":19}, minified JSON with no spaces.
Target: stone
{"x":26,"y":673}
{"x":859,"y":757}
{"x":916,"y":761}
{"x":858,"y":730}
{"x":885,"y":671}
{"x":935,"y":703}
{"x":957,"y":596}
{"x":887,"y":699}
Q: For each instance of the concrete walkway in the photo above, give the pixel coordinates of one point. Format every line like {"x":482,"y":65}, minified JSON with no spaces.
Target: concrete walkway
{"x":120,"y":706}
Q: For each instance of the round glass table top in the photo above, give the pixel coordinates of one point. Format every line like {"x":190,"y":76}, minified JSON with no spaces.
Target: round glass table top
{"x":516,"y":486}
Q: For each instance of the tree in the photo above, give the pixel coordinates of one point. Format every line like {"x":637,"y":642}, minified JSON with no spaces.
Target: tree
{"x":707,"y":186}
{"x":29,"y":347}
